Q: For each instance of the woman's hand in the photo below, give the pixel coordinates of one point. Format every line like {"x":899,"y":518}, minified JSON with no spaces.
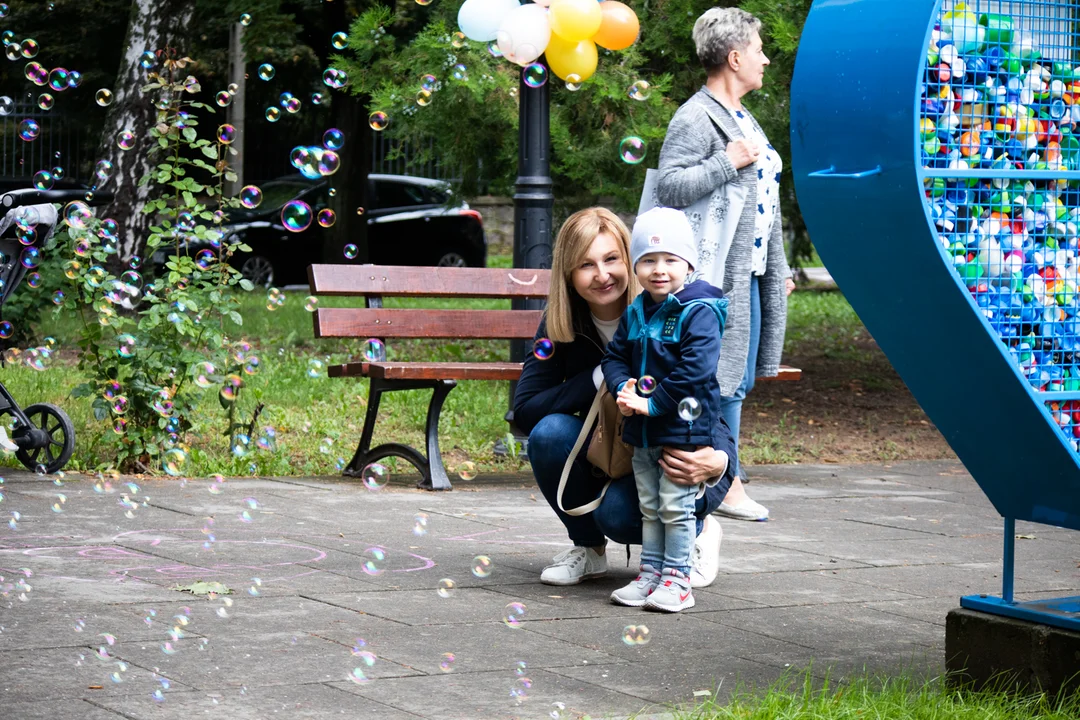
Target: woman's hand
{"x":742,"y":152}
{"x":691,"y":467}
{"x":789,"y":286}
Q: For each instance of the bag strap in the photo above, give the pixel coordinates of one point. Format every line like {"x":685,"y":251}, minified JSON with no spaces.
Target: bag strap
{"x":590,"y":418}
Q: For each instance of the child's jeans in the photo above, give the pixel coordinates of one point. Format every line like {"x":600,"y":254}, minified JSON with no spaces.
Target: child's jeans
{"x":667,"y":513}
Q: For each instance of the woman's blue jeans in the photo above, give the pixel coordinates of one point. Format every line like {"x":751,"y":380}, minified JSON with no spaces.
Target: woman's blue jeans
{"x":618,"y":516}
{"x":731,"y":407}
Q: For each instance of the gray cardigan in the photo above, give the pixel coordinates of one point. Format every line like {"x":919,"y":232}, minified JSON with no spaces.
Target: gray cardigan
{"x":693,"y":163}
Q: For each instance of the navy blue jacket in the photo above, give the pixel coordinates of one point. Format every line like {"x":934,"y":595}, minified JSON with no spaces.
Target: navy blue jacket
{"x":677,"y":342}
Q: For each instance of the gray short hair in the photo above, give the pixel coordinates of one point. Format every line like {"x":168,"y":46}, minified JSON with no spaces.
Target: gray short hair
{"x":719,"y":31}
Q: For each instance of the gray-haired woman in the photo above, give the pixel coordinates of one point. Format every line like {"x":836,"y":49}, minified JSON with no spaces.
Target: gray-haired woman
{"x":697,"y":160}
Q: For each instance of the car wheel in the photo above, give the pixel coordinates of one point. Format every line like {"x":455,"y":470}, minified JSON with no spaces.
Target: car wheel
{"x":452,"y":258}
{"x":258,"y":270}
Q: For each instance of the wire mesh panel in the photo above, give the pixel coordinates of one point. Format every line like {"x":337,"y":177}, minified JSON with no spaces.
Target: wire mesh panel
{"x":999,"y":140}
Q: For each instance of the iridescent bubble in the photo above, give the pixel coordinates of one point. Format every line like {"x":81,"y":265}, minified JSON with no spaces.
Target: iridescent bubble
{"x":12,"y":50}
{"x":226,"y":134}
{"x":646,"y":384}
{"x":520,"y":667}
{"x":203,"y":374}
{"x":339,"y":40}
{"x":43,"y":180}
{"x":119,"y":405}
{"x":458,"y":39}
{"x":543,"y":349}
{"x":635,"y":635}
{"x":30,"y":48}
{"x":296,"y":216}
{"x":266,"y":72}
{"x":103,"y":170}
{"x":481,"y":566}
{"x":292,"y":105}
{"x":327,"y":217}
{"x":103,"y":97}
{"x":273,"y":114}
{"x":446,"y":588}
{"x":359,"y":211}
{"x":420,"y":521}
{"x":446,"y":664}
{"x":374,"y":561}
{"x":125,"y":345}
{"x":460,"y":72}
{"x":7,"y":105}
{"x":520,"y":689}
{"x":59,"y":79}
{"x":31,"y":258}
{"x":639,"y":90}
{"x":251,"y":367}
{"x":29,"y":130}
{"x":328,"y":162}
{"x":119,"y":426}
{"x":378,"y":120}
{"x":58,"y":506}
{"x":75,"y":79}
{"x":245,"y":19}
{"x":6,"y":329}
{"x":374,"y":350}
{"x":77,"y":215}
{"x":204,"y":259}
{"x":428,"y":82}
{"x":535,"y":75}
{"x":173,"y":461}
{"x":573,"y":82}
{"x":351,"y":251}
{"x":34,"y":280}
{"x":230,"y":387}
{"x":162,"y":402}
{"x":4,"y":10}
{"x":240,"y":445}
{"x":256,"y":583}
{"x":632,"y":150}
{"x":317,"y":98}
{"x":514,"y":614}
{"x":251,"y":197}
{"x":315,"y":367}
{"x":332,"y":77}
{"x":466,"y":470}
{"x":38,"y":75}
{"x":148,"y":60}
{"x":333,"y":139}
{"x":125,"y":139}
{"x":689,"y":409}
{"x":311,"y":303}
{"x":423,"y":97}
{"x":45,"y":101}
{"x":223,"y":98}
{"x":493,"y":49}
{"x":58,"y":297}
{"x":375,"y":476}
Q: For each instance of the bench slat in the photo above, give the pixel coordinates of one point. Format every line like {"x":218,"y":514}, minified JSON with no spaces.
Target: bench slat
{"x":429,"y":371}
{"x":406,"y":281}
{"x":787,"y":374}
{"x":410,"y":323}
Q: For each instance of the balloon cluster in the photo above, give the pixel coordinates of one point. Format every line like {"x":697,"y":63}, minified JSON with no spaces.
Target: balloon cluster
{"x":566,"y":32}
{"x":994,"y":100}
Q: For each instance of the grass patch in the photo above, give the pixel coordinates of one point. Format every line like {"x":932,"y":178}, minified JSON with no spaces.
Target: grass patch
{"x":801,"y":697}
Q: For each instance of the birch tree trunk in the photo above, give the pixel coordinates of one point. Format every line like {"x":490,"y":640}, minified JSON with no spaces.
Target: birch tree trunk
{"x":154,"y":25}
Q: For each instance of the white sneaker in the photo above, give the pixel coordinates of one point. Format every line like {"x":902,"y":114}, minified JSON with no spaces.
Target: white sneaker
{"x":574,"y":565}
{"x":745,"y":510}
{"x":672,"y":594}
{"x":706,"y":557}
{"x":5,"y":441}
{"x":637,"y":592}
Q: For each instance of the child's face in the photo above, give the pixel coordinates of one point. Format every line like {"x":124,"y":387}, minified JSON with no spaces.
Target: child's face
{"x":661,"y":274}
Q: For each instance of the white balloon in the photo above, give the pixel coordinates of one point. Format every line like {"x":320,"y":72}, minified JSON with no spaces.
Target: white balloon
{"x":524,"y":34}
{"x":480,"y":19}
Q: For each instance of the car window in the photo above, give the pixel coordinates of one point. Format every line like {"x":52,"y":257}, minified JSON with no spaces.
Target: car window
{"x":276,"y":195}
{"x":395,"y":194}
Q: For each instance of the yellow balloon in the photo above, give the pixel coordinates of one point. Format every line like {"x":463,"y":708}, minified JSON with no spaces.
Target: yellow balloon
{"x":571,"y":58}
{"x":575,"y":19}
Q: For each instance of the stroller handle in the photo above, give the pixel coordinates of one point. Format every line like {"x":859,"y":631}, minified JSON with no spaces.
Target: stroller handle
{"x":31,"y":196}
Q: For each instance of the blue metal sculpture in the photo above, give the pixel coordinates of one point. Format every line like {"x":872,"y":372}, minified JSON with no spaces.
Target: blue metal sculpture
{"x":936,"y":168}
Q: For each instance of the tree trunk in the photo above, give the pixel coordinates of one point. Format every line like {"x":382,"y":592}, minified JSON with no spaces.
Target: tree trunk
{"x":154,"y":25}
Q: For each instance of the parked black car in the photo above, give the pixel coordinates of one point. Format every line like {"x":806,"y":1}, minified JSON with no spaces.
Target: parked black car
{"x":411,"y":221}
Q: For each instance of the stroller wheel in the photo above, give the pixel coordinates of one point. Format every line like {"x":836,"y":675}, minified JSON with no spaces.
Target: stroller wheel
{"x":57,"y":425}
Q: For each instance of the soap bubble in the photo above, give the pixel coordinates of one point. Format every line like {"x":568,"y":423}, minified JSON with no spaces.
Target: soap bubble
{"x":573,"y":82}
{"x":148,"y":60}
{"x":332,"y":77}
{"x":125,"y":345}
{"x":428,"y":82}
{"x":315,"y":367}
{"x":317,"y":98}
{"x":31,"y":258}
{"x":256,"y":583}
{"x":296,"y":216}
{"x":514,"y":614}
{"x":375,"y":476}
{"x":45,"y":101}
{"x":35,"y":73}
{"x":230,"y":387}
{"x":351,"y":251}
{"x":226,"y":134}
{"x":543,"y":349}
{"x":420,"y":521}
{"x":203,"y":374}
{"x":423,"y":97}
{"x":639,"y":90}
{"x":689,"y":409}
{"x":292,"y":105}
{"x":458,"y":39}
{"x":245,"y":19}
{"x":43,"y":180}
{"x":311,"y":303}
{"x":251,"y":197}
{"x":125,"y":139}
{"x":446,"y":664}
{"x":6,"y":329}
{"x":535,"y":75}
{"x":273,"y":114}
{"x":119,"y":404}
{"x":460,"y":72}
{"x":646,"y":384}
{"x":7,"y":105}
{"x":29,"y":130}
{"x":374,"y":350}
{"x":481,"y":566}
{"x":173,"y":461}
{"x":339,"y":40}
{"x":632,"y":150}
{"x":77,"y":214}
{"x":266,"y":72}
{"x":329,"y":162}
{"x":635,"y":635}
{"x":466,"y":470}
{"x":374,"y":561}
{"x":446,"y":588}
{"x":223,"y":98}
{"x":333,"y":139}
{"x":378,"y":120}
{"x":326,"y":218}
{"x":520,"y":689}
{"x":103,"y":97}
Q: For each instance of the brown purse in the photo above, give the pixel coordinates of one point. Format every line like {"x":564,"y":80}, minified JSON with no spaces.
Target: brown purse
{"x":606,"y":452}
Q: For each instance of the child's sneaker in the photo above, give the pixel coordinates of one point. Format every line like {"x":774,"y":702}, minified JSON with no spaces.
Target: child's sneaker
{"x":672,"y":594}
{"x":636,"y":593}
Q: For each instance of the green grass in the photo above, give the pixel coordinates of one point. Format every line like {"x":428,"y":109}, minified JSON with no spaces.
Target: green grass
{"x":307,"y":412}
{"x":824,"y":322}
{"x":800,"y":697}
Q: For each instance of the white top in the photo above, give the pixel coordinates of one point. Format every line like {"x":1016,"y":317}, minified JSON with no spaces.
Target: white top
{"x":769,"y":166}
{"x":606,"y":328}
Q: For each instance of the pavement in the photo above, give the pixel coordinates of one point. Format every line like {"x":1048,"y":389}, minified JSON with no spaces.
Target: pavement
{"x":339,"y":605}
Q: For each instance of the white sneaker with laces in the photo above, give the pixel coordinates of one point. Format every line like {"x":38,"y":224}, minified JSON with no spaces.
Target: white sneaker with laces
{"x":672,"y":594}
{"x":5,"y":442}
{"x":574,"y":565}
{"x":637,"y":592}
{"x":706,"y":557}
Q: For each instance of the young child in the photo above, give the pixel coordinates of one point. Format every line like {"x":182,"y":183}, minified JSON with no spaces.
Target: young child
{"x":661,"y":365}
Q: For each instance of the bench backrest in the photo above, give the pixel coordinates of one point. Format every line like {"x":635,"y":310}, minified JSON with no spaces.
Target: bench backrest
{"x":374,"y":282}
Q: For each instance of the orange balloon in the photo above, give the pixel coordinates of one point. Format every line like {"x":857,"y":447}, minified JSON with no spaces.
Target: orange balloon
{"x":618,"y":28}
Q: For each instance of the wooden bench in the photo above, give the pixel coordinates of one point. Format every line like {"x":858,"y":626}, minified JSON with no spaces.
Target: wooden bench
{"x":373,"y":283}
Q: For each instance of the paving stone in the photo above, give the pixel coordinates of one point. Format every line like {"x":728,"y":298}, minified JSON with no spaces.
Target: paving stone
{"x":53,"y":709}
{"x":800,"y":588}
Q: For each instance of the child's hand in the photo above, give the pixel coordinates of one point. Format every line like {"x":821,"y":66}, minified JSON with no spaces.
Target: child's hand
{"x":629,"y":402}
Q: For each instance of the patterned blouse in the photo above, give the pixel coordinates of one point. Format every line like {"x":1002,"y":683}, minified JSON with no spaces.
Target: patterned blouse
{"x":769,"y":166}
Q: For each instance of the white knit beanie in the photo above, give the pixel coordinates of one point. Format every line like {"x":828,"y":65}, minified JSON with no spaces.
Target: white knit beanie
{"x":663,"y":230}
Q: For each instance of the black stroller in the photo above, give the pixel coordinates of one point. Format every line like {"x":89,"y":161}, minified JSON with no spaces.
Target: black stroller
{"x":43,"y":432}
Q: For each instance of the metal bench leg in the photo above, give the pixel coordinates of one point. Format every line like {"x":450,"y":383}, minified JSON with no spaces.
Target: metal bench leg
{"x":365,"y":454}
{"x":436,"y":478}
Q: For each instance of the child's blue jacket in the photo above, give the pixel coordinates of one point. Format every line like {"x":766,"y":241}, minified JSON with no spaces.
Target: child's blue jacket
{"x":677,"y":342}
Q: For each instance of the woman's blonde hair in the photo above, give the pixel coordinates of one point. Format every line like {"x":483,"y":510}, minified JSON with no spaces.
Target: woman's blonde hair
{"x":575,"y":238}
